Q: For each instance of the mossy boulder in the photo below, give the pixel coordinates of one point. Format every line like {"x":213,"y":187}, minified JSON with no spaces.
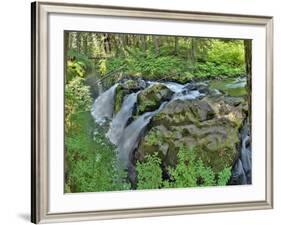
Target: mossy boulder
{"x":124,"y":88}
{"x":197,"y":125}
{"x":179,"y":112}
{"x":151,"y":98}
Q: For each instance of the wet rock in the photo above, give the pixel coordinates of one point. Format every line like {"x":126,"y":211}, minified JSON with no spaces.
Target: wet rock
{"x":151,"y":98}
{"x":179,"y":112}
{"x":125,"y":88}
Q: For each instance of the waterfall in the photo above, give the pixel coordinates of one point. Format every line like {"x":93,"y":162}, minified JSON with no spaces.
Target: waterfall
{"x":120,"y":120}
{"x":175,"y":87}
{"x":132,"y":134}
{"x":104,"y":105}
{"x":182,"y":92}
{"x":242,"y":169}
{"x":238,"y":175}
{"x":246,"y":152}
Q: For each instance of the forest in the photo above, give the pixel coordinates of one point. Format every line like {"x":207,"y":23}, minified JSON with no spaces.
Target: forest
{"x":150,"y":112}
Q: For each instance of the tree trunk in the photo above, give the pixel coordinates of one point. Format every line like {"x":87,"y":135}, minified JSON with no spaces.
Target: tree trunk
{"x":70,"y":41}
{"x":156,"y":44}
{"x":90,"y":44}
{"x":193,"y":50}
{"x":78,"y":41}
{"x":248,"y":67}
{"x":85,"y":43}
{"x":143,"y":39}
{"x":176,"y":45}
{"x":66,"y":44}
{"x":107,"y":46}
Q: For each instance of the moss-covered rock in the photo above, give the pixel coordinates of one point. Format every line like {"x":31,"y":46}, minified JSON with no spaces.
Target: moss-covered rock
{"x":120,"y":92}
{"x":124,"y":88}
{"x":151,"y":98}
{"x":181,"y":112}
{"x":212,"y":132}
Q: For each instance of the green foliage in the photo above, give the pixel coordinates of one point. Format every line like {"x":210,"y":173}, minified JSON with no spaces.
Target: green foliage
{"x":81,"y":58}
{"x":149,"y":173}
{"x":170,"y":58}
{"x":223,"y":176}
{"x":224,"y":58}
{"x":75,"y":68}
{"x":185,"y":174}
{"x":226,"y":52}
{"x":189,"y":172}
{"x":152,"y":138}
{"x":77,"y":99}
{"x":216,"y":59}
{"x":91,"y":160}
{"x":205,"y":175}
{"x":103,"y":67}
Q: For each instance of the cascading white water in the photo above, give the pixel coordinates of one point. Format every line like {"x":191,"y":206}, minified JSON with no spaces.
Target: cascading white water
{"x":238,"y":173}
{"x":132,"y":134}
{"x":120,"y":120}
{"x":175,"y":87}
{"x":246,"y":153}
{"x":182,"y":92}
{"x":242,"y":170}
{"x":104,"y":105}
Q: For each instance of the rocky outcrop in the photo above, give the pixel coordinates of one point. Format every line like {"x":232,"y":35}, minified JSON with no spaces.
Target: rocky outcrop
{"x":209,"y":126}
{"x":124,"y":88}
{"x":151,"y":98}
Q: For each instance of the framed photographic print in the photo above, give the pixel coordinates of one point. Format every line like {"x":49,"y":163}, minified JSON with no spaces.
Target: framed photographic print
{"x":146,"y":112}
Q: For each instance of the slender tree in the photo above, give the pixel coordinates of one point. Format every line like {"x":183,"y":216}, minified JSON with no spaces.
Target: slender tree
{"x":248,"y":65}
{"x":156,"y":44}
{"x":176,"y":45}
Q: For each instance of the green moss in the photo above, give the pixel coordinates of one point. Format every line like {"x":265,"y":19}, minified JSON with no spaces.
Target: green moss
{"x":151,"y":98}
{"x":119,"y":96}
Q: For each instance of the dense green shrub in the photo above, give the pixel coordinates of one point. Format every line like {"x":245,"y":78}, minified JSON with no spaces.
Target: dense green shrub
{"x":74,"y":69}
{"x":149,"y":173}
{"x":224,"y":58}
{"x":77,"y":99}
{"x":188,"y":172}
{"x":75,"y":56}
{"x":91,"y":160}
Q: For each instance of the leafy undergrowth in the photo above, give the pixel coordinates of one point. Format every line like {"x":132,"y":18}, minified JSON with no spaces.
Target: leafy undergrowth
{"x":91,"y":162}
{"x":189,"y":172}
{"x":221,"y":60}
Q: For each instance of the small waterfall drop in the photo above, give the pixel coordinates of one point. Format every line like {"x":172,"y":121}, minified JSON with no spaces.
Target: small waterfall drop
{"x":132,"y":134}
{"x":182,"y":92}
{"x":120,"y":120}
{"x":104,"y":105}
{"x":246,"y":153}
{"x":242,"y":169}
{"x":238,"y":175}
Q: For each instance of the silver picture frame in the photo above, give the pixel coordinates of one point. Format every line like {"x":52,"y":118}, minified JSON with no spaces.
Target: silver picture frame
{"x":40,"y":103}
